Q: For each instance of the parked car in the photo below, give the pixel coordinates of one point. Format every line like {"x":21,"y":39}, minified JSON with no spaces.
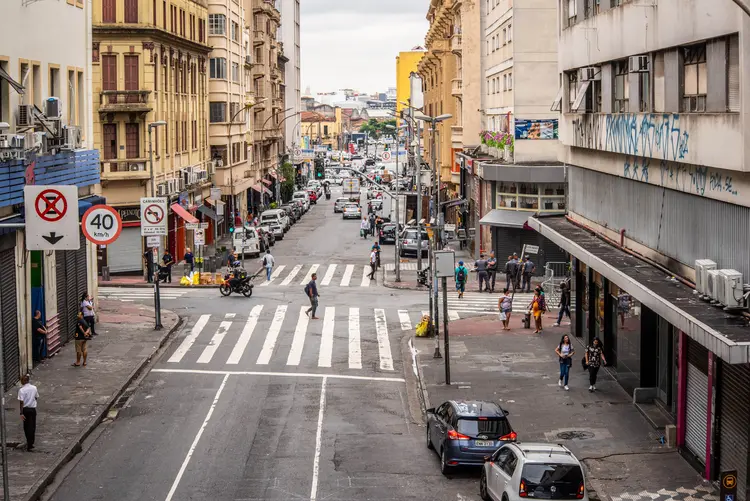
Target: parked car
{"x":300,"y":204}
{"x":521,"y":471}
{"x":388,"y":233}
{"x":352,"y":211}
{"x":377,"y":205}
{"x":408,"y":243}
{"x":290,"y":212}
{"x":268,"y":235}
{"x":313,"y":196}
{"x":245,"y":241}
{"x":464,"y":433}
{"x":304,"y":197}
{"x":275,"y":220}
{"x":340,"y":203}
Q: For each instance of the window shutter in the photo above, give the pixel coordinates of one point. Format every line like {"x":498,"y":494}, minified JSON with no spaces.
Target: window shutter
{"x":733,"y":76}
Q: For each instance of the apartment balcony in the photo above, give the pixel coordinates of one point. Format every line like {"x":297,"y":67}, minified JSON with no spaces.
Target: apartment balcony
{"x":457,"y":87}
{"x":278,"y":103}
{"x":456,"y":45}
{"x":259,"y":69}
{"x":124,"y":101}
{"x":457,"y":136}
{"x":267,"y":7}
{"x":259,"y":38}
{"x":126,"y":169}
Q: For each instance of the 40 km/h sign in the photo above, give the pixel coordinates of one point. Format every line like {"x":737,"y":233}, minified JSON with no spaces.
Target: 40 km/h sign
{"x":101,"y":224}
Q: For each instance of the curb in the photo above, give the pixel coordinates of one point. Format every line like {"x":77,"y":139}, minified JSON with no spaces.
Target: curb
{"x":38,"y":488}
{"x":424,"y":399}
{"x":161,"y":286}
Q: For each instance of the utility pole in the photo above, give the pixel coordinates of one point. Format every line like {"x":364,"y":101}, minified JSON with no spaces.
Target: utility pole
{"x":446,"y":343}
{"x":419,"y":195}
{"x":154,"y":272}
{"x":431,"y":257}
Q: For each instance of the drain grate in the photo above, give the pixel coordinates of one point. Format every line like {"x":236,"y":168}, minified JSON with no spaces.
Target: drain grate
{"x":575,"y":435}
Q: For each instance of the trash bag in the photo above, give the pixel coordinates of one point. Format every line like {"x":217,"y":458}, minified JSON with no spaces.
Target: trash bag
{"x":196,"y":278}
{"x":185,"y":281}
{"x":423,"y":327}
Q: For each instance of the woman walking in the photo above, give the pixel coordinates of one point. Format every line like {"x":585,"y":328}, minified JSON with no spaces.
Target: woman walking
{"x":89,"y":315}
{"x":594,"y":359}
{"x":564,"y":303}
{"x":505,"y":305}
{"x":565,"y":351}
{"x":537,"y":308}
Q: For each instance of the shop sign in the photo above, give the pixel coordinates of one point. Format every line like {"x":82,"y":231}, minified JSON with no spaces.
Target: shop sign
{"x":184,"y":200}
{"x":131,"y":214}
{"x":536,"y":129}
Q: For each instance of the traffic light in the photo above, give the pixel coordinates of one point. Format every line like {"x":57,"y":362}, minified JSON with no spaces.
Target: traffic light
{"x":319,"y":168}
{"x":231,"y":228}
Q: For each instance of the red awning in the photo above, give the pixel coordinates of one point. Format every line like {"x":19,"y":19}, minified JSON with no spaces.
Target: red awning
{"x":267,"y":191}
{"x":266,"y":182}
{"x":258,"y":187}
{"x":180,"y":211}
{"x":273,"y":175}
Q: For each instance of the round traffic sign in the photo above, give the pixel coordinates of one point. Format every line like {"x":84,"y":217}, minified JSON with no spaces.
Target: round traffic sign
{"x":386,"y":155}
{"x":51,"y":205}
{"x":154,"y":214}
{"x":101,"y":224}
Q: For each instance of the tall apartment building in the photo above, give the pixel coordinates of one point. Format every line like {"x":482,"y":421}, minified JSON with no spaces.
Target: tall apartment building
{"x":655,"y":131}
{"x":150,"y":64}
{"x":290,"y":36}
{"x":44,"y":54}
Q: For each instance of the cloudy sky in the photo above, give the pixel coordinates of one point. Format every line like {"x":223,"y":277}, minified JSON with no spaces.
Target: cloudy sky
{"x":354,"y":43}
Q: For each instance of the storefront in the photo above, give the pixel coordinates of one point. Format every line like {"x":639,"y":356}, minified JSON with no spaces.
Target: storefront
{"x":125,"y":255}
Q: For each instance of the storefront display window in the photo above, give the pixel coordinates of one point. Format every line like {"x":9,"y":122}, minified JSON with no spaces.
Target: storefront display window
{"x":538,"y":197}
{"x":625,"y":323}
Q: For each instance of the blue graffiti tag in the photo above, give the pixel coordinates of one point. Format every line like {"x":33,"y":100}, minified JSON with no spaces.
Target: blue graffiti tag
{"x":651,"y":135}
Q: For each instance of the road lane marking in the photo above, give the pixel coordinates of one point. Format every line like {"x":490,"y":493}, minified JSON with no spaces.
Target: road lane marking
{"x":308,"y":276}
{"x":291,"y":275}
{"x":274,"y":275}
{"x":329,"y":274}
{"x":189,"y":339}
{"x":365,"y":278}
{"x":318,"y":440}
{"x":384,"y":345}
{"x":298,"y":342}
{"x":180,"y":473}
{"x":213,"y":345}
{"x":247,"y":332}
{"x":347,"y":275}
{"x":273,"y":334}
{"x":403,"y":317}
{"x":326,"y":339}
{"x":355,"y":350}
{"x":230,"y":315}
{"x":453,"y":315}
{"x":280,"y":374}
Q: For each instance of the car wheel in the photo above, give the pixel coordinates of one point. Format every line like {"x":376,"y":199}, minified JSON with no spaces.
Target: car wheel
{"x":445,"y":469}
{"x":429,"y":441}
{"x":483,"y":486}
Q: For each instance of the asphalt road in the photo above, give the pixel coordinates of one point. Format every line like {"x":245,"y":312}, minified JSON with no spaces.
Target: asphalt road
{"x":254,"y":401}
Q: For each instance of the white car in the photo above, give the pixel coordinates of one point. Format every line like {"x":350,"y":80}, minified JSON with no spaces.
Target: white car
{"x":276,"y":220}
{"x":304,"y":197}
{"x":340,"y":204}
{"x":352,"y":211}
{"x":246,"y":241}
{"x":519,"y":471}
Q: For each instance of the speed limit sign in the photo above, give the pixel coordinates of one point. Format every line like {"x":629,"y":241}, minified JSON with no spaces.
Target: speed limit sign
{"x":101,"y":224}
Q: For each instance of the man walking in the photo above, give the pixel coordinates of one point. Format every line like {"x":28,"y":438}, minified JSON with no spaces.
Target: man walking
{"x":462,"y":274}
{"x":528,"y":270}
{"x":269,"y":263}
{"x":516,"y":272}
{"x":39,"y":337}
{"x":168,"y":262}
{"x":311,"y":289}
{"x":509,"y":272}
{"x":492,"y":270}
{"x":481,"y":268}
{"x":189,"y":259}
{"x":373,"y":264}
{"x":27,"y":399}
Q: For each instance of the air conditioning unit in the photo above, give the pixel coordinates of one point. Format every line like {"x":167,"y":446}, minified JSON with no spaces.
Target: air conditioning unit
{"x":192,"y":178}
{"x":25,"y":117}
{"x":712,"y":285}
{"x":248,"y":60}
{"x":5,"y":140}
{"x":218,"y":163}
{"x":730,"y":288}
{"x":53,"y":107}
{"x":202,"y":174}
{"x":171,"y":186}
{"x":181,"y":183}
{"x":137,"y":166}
{"x":71,"y":137}
{"x":18,"y":141}
{"x":589,"y":73}
{"x":161,"y":190}
{"x":638,"y":64}
{"x":701,"y":274}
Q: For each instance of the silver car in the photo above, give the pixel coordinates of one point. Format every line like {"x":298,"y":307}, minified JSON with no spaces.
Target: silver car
{"x":352,"y":211}
{"x":409,"y":242}
{"x":340,"y":203}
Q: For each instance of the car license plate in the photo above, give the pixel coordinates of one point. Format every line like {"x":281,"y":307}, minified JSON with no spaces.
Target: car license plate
{"x":484,"y":443}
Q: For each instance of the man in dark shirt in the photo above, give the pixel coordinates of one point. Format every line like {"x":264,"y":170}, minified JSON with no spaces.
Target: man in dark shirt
{"x":481,"y":268}
{"x":39,"y":338}
{"x":311,"y":289}
{"x":168,"y":262}
{"x":528,"y":270}
{"x":81,"y":335}
{"x":492,"y":270}
{"x":189,"y":258}
{"x":148,"y":257}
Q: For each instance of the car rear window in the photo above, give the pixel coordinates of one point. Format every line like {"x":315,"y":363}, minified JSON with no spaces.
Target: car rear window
{"x":541,"y":478}
{"x":271,"y":218}
{"x":344,"y":200}
{"x":492,"y":427}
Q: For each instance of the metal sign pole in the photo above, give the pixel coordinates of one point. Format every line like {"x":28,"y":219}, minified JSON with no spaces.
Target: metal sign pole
{"x":518,"y":270}
{"x":3,"y":431}
{"x":157,"y":299}
{"x":446,"y":343}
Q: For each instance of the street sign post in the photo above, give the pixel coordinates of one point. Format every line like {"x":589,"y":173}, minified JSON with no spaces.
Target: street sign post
{"x":728,"y":485}
{"x":101,"y":225}
{"x":445,"y":263}
{"x":530,"y":249}
{"x":51,"y":214}
{"x":199,"y":237}
{"x":385,"y":156}
{"x":153,"y":217}
{"x":216,"y":193}
{"x":153,"y":242}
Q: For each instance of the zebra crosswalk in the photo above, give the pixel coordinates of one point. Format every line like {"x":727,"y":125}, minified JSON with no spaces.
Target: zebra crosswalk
{"x":334,"y":275}
{"x":482,"y":302}
{"x":130,"y":294}
{"x":344,"y":338}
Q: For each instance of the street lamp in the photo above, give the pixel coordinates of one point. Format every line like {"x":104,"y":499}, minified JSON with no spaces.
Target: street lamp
{"x":155,"y":276}
{"x":397,"y":265}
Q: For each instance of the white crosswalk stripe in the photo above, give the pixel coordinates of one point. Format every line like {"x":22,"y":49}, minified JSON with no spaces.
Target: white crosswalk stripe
{"x":329,"y":275}
{"x":403,"y":317}
{"x":208,"y":352}
{"x":309,"y":274}
{"x":347,"y":275}
{"x":326,"y":340}
{"x":276,"y":273}
{"x":484,"y":302}
{"x":247,"y":332}
{"x":384,"y":345}
{"x":273,"y":335}
{"x":335,"y":276}
{"x":291,"y":275}
{"x":190,"y":339}
{"x":365,"y":276}
{"x":355,"y":351}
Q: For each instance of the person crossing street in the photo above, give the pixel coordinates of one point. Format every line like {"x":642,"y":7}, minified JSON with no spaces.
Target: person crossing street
{"x":311,"y":289}
{"x":268,"y":263}
{"x":462,"y":275}
{"x":373,"y":263}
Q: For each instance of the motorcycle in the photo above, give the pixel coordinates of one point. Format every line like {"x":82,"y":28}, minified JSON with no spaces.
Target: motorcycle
{"x":243,"y":283}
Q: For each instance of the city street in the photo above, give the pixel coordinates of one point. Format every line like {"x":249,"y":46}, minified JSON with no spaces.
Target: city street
{"x":254,"y":401}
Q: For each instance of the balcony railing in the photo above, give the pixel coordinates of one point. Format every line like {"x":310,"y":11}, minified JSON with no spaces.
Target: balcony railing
{"x":259,"y":69}
{"x":457,"y":87}
{"x":113,"y":101}
{"x":456,"y":43}
{"x":125,"y":168}
{"x":457,"y":135}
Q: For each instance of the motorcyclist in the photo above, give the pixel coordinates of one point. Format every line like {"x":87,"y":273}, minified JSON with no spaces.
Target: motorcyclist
{"x":237,"y":270}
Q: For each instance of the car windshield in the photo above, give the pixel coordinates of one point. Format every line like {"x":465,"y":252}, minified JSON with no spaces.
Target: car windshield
{"x":492,"y":427}
{"x":342,"y":200}
{"x":271,"y":218}
{"x":552,"y":480}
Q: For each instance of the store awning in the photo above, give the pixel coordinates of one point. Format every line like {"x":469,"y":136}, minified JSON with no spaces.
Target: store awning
{"x":506,"y":218}
{"x":725,"y":335}
{"x":17,"y":86}
{"x":258,"y":187}
{"x":180,"y":211}
{"x":266,"y":182}
{"x":267,"y":191}
{"x":208,"y":211}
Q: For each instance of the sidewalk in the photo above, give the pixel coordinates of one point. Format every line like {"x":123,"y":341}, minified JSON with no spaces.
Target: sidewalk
{"x":72,"y":401}
{"x":623,"y":454}
{"x":409,"y":271}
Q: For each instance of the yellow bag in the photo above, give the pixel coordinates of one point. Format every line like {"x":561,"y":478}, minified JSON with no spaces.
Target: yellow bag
{"x":423,"y":327}
{"x":184,"y":281}
{"x":196,"y":278}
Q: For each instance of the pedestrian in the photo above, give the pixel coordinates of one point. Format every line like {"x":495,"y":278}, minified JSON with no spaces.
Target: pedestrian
{"x":311,"y":289}
{"x":565,"y":351}
{"x":364,"y":228}
{"x":168,"y":261}
{"x":594,"y":359}
{"x":517,"y":269}
{"x":480,"y":266}
{"x":28,"y":396}
{"x":462,"y":274}
{"x":189,"y":259}
{"x":564,"y":303}
{"x":528,"y":270}
{"x":372,"y":224}
{"x":87,"y":308}
{"x":623,"y":307}
{"x":505,"y":305}
{"x":268,"y":263}
{"x":509,"y":265}
{"x":538,"y":307}
{"x":148,"y":258}
{"x":492,"y":271}
{"x":373,"y":263}
{"x":39,"y":337}
{"x":81,"y":335}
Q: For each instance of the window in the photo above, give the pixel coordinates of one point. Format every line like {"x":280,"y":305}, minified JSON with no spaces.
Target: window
{"x":193,"y":79}
{"x":217,"y":112}
{"x":510,"y":31}
{"x":109,"y":145}
{"x":217,"y":24}
{"x":195,"y":134}
{"x":132,"y":140}
{"x":184,"y":136}
{"x":201,"y":30}
{"x":571,"y":10}
{"x":192,"y":26}
{"x":36,"y":77}
{"x":153,"y":12}
{"x":71,"y":94}
{"x":235,"y":72}
{"x":235,"y":32}
{"x":54,"y":82}
{"x":505,"y":36}
{"x":325,"y":130}
{"x":131,"y":76}
{"x":572,"y":87}
{"x":182,"y":23}
{"x":644,"y":91}
{"x":109,"y":72}
{"x":164,"y":14}
{"x":131,"y":11}
{"x":109,"y":11}
{"x":510,"y":81}
{"x":622,"y":87}
{"x":695,"y":79}
{"x":733,"y":73}
{"x":505,"y":83}
{"x":233,"y":109}
{"x":218,"y":67}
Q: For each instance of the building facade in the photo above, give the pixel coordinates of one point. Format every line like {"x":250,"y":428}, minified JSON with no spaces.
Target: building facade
{"x":56,"y":150}
{"x":150,"y":64}
{"x":407,"y":63}
{"x":654,"y":128}
{"x":290,"y":36}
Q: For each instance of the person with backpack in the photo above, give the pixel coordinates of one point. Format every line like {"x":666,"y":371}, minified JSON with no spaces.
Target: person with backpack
{"x":268,"y":263}
{"x":311,"y":291}
{"x":462,"y":275}
{"x":564,"y":303}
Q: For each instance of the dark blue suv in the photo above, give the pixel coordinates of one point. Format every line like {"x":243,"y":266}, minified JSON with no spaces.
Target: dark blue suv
{"x":463,"y":433}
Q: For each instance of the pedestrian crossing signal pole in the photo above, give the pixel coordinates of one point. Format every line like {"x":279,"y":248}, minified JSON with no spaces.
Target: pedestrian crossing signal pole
{"x":446,"y":347}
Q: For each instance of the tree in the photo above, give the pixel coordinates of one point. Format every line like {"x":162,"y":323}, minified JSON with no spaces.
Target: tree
{"x":289,"y":172}
{"x":376,"y":129}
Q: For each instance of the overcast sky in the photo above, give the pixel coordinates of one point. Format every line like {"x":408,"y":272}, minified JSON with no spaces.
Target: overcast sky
{"x":354,"y":43}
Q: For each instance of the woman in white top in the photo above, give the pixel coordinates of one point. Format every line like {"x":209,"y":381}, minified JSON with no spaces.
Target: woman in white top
{"x":364,"y":227}
{"x":87,"y":308}
{"x":565,"y":351}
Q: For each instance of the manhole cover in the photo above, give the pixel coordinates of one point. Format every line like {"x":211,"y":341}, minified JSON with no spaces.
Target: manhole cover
{"x":575,"y":435}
